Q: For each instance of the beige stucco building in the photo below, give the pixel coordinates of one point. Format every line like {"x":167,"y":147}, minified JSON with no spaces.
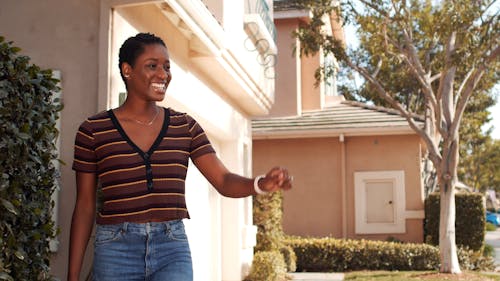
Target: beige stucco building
{"x":357,"y":168}
{"x":221,"y":55}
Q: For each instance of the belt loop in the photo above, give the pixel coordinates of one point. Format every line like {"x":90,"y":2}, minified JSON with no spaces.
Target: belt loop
{"x":124,"y":226}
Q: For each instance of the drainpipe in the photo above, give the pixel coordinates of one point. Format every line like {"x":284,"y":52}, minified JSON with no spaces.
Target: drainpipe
{"x":343,"y":184}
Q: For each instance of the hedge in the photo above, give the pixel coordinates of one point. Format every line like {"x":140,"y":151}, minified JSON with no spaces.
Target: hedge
{"x":469,"y":223}
{"x":267,"y":266}
{"x":27,"y":135}
{"x":340,"y":255}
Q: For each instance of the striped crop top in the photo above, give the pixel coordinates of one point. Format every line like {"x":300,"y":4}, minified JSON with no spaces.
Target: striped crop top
{"x":136,"y":185}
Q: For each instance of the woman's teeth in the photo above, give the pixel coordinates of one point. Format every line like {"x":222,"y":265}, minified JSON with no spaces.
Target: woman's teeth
{"x":159,"y":86}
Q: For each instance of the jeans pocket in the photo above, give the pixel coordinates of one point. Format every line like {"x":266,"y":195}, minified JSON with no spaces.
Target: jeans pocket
{"x":108,"y":233}
{"x":177,"y":231}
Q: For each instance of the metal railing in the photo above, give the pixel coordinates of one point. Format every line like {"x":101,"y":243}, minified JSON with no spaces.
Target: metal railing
{"x":260,"y":7}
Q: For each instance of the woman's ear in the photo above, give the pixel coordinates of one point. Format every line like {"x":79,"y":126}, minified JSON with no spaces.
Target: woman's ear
{"x":126,"y":69}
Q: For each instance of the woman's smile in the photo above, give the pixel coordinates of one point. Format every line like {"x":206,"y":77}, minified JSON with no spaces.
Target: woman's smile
{"x":159,"y":87}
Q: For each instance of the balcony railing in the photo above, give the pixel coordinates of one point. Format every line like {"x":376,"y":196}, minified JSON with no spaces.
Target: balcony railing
{"x":261,"y":8}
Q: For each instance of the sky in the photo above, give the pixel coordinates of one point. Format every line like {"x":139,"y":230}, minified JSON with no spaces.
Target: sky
{"x":495,"y":115}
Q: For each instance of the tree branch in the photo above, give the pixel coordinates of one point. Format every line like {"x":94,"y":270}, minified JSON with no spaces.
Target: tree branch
{"x":433,"y":147}
{"x":469,"y":84}
{"x":418,"y":70}
{"x":435,"y":77}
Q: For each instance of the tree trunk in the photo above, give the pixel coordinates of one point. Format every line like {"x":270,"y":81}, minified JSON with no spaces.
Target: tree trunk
{"x":447,"y":245}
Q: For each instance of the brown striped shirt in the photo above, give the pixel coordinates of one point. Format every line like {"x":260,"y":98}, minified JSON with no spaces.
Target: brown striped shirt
{"x":136,"y":185}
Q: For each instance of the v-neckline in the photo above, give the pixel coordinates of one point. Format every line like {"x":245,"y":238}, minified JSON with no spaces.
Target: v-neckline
{"x":156,"y":143}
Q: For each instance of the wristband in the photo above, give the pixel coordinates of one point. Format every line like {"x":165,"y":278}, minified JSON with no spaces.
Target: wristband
{"x":256,"y":185}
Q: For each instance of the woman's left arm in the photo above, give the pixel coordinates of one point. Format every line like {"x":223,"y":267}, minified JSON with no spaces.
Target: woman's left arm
{"x":236,"y":186}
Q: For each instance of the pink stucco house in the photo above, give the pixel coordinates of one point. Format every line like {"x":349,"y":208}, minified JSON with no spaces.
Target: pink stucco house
{"x":357,"y":168}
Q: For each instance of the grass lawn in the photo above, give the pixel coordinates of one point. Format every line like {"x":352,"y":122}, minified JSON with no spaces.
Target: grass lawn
{"x":419,"y":275}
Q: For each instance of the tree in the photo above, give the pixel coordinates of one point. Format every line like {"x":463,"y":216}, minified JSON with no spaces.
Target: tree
{"x":397,"y":79}
{"x":477,"y":161}
{"x":429,"y":42}
{"x":483,"y":166}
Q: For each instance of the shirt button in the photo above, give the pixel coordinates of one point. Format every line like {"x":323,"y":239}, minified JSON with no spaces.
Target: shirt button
{"x":150,"y":185}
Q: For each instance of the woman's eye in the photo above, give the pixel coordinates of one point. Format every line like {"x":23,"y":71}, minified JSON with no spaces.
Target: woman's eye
{"x":151,"y":66}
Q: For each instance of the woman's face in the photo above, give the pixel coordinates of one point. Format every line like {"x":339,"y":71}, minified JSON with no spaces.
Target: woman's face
{"x":150,"y":76}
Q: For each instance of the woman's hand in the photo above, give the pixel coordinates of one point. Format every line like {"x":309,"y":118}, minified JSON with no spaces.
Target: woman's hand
{"x":277,"y":178}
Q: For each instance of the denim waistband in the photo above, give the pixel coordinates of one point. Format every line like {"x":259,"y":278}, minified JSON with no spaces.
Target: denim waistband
{"x":147,"y":227}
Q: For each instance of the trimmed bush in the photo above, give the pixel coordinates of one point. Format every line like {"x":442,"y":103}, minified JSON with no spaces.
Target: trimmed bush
{"x":267,"y":266}
{"x":488,"y":251}
{"x":27,"y":174}
{"x":490,"y":227}
{"x":267,"y":216}
{"x":289,"y":257}
{"x":475,"y":260}
{"x":330,"y":254}
{"x":339,"y":255}
{"x":469,"y":223}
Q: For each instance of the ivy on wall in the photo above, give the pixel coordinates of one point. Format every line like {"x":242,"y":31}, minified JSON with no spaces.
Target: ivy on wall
{"x":28,"y":114}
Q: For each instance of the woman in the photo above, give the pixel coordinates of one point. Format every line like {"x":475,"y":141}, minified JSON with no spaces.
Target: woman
{"x":138,"y":154}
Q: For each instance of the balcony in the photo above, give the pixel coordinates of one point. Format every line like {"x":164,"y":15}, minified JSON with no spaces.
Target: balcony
{"x":260,"y":27}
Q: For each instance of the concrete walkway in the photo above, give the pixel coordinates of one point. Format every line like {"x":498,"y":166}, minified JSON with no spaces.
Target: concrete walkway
{"x":493,"y":238}
{"x":317,"y":276}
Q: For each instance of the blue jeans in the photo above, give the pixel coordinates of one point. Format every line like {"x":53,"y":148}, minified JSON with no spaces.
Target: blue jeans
{"x":142,"y":251}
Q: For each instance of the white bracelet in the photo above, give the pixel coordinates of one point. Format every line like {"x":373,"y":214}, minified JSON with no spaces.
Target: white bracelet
{"x":256,"y":185}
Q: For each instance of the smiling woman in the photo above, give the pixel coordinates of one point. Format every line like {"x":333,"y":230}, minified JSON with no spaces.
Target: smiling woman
{"x":138,"y":155}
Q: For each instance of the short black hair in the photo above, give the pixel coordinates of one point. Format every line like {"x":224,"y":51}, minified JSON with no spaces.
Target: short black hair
{"x":133,"y":47}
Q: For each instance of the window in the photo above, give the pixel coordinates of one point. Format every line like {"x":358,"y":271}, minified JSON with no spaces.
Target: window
{"x":379,"y":202}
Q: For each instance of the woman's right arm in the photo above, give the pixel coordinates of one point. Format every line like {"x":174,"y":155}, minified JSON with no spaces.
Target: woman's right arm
{"x":81,"y":222}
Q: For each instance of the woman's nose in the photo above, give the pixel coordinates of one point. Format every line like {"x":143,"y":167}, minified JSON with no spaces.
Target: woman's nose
{"x":164,"y":74}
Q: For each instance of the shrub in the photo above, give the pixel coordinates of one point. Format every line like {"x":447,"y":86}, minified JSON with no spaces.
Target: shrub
{"x":267,"y":266}
{"x":267,"y":216}
{"x":469,"y":223}
{"x":488,"y":251}
{"x":474,"y":260}
{"x":289,"y":257}
{"x":339,"y":255}
{"x":490,"y":227}
{"x":330,"y":254}
{"x":27,"y":133}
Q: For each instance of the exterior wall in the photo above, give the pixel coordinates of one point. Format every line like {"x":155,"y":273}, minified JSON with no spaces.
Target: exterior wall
{"x":287,"y":95}
{"x":375,"y":153}
{"x":72,"y":48}
{"x":311,"y":93}
{"x":72,"y":42}
{"x":314,"y":206}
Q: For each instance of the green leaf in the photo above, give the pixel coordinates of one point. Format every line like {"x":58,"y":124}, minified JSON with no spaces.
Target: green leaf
{"x":5,"y":276}
{"x":24,"y":136}
{"x":19,"y":255}
{"x":8,"y":206}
